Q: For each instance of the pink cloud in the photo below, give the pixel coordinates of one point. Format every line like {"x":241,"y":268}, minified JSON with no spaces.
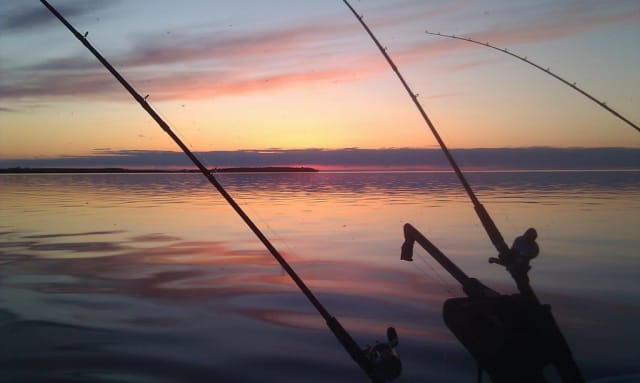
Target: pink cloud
{"x":207,"y":47}
{"x":556,"y":20}
{"x":208,"y":64}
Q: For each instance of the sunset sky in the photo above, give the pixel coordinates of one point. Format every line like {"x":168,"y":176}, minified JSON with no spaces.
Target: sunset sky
{"x":291,"y":74}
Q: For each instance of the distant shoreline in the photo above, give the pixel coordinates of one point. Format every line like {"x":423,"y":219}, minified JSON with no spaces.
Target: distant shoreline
{"x":535,"y":158}
{"x":266,"y":169}
{"x":280,"y":169}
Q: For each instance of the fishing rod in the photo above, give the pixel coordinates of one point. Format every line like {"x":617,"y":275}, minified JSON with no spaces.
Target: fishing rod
{"x":513,"y":337}
{"x":488,"y":224}
{"x":545,"y":70}
{"x":380,"y":362}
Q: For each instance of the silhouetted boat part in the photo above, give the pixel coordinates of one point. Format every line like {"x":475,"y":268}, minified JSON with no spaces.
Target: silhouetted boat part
{"x":380,"y":362}
{"x":512,"y":337}
{"x":545,"y":70}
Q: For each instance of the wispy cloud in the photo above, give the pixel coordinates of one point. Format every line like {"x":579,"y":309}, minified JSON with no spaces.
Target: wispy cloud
{"x":20,"y":16}
{"x":188,"y":84}
{"x":393,"y":14}
{"x":82,"y":84}
{"x":217,"y":46}
{"x":198,"y":65}
{"x":8,"y":110}
{"x":206,"y":62}
{"x":210,"y":62}
{"x":553,"y":20}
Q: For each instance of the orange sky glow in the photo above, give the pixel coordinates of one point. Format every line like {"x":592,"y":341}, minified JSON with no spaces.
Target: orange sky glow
{"x":251,"y":75}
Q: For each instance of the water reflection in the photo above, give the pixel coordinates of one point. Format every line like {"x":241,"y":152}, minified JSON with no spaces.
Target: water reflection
{"x":101,"y":312}
{"x":153,"y":278}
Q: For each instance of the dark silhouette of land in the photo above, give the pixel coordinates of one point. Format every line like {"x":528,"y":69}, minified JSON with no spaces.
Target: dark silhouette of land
{"x":534,"y":158}
{"x":266,"y":169}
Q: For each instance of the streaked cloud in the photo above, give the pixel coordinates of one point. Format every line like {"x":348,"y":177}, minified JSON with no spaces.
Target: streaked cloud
{"x":208,"y":62}
{"x":195,"y":65}
{"x":550,"y":21}
{"x":20,"y":16}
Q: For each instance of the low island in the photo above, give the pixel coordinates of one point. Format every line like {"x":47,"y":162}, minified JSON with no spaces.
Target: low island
{"x":265,"y":169}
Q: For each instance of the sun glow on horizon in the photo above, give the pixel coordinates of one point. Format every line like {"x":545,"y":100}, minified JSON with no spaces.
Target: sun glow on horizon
{"x":311,"y":78}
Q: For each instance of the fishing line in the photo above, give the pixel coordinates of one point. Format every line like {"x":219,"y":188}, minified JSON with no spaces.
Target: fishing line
{"x":445,"y":284}
{"x":430,"y":273}
{"x":178,"y":130}
{"x":273,"y":233}
{"x":545,"y":70}
{"x":219,"y":175}
{"x":222,"y":177}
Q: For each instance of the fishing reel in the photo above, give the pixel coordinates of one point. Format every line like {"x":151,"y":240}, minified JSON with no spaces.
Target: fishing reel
{"x":523,"y":250}
{"x":512,"y":337}
{"x":383,"y":358}
{"x":516,"y":259}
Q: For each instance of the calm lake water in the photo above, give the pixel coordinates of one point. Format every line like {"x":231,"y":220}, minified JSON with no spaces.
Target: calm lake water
{"x":153,"y":278}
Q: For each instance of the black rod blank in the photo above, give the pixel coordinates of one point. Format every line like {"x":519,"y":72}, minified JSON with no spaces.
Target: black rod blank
{"x":341,"y":334}
{"x":488,"y":224}
{"x":545,"y":70}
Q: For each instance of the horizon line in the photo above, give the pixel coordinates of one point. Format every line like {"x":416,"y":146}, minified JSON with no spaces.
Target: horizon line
{"x":351,"y":159}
